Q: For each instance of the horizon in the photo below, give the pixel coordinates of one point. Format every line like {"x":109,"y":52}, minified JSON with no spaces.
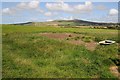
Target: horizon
{"x":57,"y":20}
{"x":36,"y":11}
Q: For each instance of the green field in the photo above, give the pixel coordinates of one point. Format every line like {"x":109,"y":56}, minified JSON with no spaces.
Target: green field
{"x":28,"y":55}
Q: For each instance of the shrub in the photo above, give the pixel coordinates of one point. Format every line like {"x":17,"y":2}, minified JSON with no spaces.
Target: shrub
{"x":87,"y":38}
{"x":70,"y":35}
{"x":77,"y":38}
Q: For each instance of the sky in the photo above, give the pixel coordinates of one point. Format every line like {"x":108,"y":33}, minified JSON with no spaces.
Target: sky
{"x":39,"y":11}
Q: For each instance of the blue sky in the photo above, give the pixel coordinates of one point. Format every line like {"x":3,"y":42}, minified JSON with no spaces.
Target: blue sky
{"x":17,"y":12}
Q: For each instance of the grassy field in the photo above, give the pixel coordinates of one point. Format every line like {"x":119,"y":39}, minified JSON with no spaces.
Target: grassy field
{"x":27,"y":55}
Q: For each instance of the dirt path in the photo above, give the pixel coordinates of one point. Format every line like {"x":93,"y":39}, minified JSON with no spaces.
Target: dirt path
{"x":64,"y":36}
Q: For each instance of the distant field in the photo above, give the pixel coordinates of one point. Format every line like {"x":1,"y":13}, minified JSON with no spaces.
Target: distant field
{"x":28,"y":54}
{"x":98,"y":33}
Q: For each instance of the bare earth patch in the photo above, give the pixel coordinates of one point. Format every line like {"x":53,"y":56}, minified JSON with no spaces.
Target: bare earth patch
{"x":76,"y":42}
{"x":114,"y":70}
{"x":63,"y":36}
{"x":90,"y":46}
{"x":58,"y":35}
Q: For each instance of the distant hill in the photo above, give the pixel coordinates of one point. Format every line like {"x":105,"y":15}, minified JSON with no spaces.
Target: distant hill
{"x":27,"y":23}
{"x":84,"y":23}
{"x":70,"y":23}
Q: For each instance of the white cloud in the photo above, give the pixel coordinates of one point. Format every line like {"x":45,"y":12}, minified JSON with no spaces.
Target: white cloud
{"x":50,"y":20}
{"x":67,"y":18}
{"x":58,"y":6}
{"x":30,"y":5}
{"x":7,"y":11}
{"x":88,"y":3}
{"x":113,"y":12}
{"x":23,"y":6}
{"x":48,"y":14}
{"x":84,"y":8}
{"x":61,"y":6}
{"x":71,"y":18}
{"x":33,"y":4}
